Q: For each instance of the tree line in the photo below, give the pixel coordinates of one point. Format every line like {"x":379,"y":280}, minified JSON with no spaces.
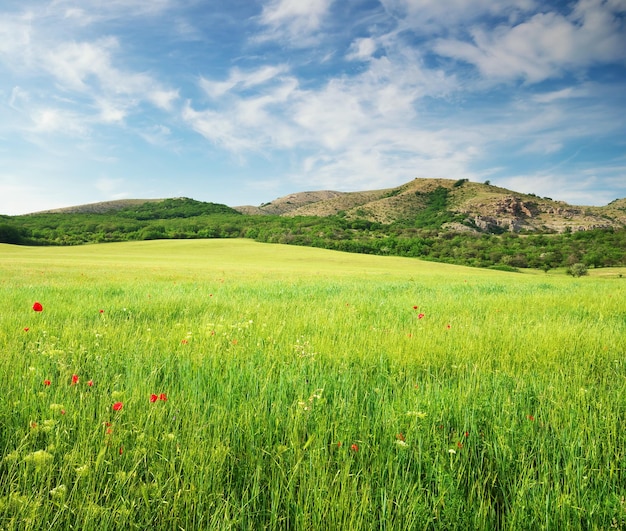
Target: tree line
{"x":421,"y":237}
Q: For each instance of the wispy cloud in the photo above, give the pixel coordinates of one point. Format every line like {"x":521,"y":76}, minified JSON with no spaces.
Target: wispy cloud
{"x":547,"y":45}
{"x":293,"y":21}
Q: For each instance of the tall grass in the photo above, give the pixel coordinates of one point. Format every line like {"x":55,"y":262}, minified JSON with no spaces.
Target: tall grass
{"x":305,"y":389}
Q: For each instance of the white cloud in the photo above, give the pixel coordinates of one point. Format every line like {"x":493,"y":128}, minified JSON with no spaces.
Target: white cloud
{"x":362,"y":49}
{"x":295,"y":21}
{"x":545,"y":46}
{"x":433,"y":16}
{"x":242,"y":79}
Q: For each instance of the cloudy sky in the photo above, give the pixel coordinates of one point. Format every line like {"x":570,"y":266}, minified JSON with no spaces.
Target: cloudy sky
{"x":243,"y":101}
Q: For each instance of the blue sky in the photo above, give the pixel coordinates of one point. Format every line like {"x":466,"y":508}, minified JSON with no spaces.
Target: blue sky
{"x":243,"y":101}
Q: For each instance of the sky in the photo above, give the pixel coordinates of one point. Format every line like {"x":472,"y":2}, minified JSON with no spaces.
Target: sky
{"x":243,"y":101}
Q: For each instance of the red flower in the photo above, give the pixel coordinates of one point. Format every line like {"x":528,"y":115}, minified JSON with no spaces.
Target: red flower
{"x":90,"y":383}
{"x":459,"y":444}
{"x":448,"y":327}
{"x":531,"y":418}
{"x":153,"y":398}
{"x":466,"y":434}
{"x":184,"y":341}
{"x":26,"y":329}
{"x":38,"y":307}
{"x":74,"y":379}
{"x":339,"y":444}
{"x":415,"y":307}
{"x":101,"y":311}
{"x":46,"y":382}
{"x":163,"y":397}
{"x":420,"y":316}
{"x":118,"y":406}
{"x":400,"y":437}
{"x":121,"y":450}
{"x":354,"y":447}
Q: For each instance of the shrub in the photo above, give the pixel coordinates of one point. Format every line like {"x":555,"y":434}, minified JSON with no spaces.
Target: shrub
{"x":577,"y":270}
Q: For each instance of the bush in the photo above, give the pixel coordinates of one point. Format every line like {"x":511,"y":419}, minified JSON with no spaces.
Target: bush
{"x":577,"y":270}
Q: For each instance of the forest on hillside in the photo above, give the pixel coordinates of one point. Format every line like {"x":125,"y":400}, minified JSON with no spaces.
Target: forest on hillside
{"x":421,"y":237}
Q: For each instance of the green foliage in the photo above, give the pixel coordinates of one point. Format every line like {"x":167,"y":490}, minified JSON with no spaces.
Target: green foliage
{"x":9,"y":234}
{"x":421,"y":237}
{"x":577,"y":270}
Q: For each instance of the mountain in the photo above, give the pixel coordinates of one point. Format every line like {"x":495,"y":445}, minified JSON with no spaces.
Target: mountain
{"x":460,"y":205}
{"x":468,"y":205}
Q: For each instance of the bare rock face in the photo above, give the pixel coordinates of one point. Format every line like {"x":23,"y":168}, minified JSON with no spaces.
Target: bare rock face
{"x":514,"y":206}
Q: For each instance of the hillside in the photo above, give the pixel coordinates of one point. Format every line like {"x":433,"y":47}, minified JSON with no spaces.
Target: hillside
{"x":433,"y":219}
{"x":471,"y":206}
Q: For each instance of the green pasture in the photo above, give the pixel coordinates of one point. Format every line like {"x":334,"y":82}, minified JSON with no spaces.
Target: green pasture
{"x":264,"y":386}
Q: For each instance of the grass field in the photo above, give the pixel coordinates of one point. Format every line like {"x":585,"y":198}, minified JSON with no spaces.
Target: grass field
{"x":227,"y":384}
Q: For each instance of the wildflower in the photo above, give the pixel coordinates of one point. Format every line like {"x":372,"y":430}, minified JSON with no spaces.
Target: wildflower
{"x":74,"y":379}
{"x":101,"y":311}
{"x":531,"y":418}
{"x":163,"y":397}
{"x":184,"y":341}
{"x":401,"y":443}
{"x":118,"y":406}
{"x":459,"y":444}
{"x":415,"y":307}
{"x":400,"y":437}
{"x":420,"y":316}
{"x":38,"y":307}
{"x":452,"y":451}
{"x":90,"y":383}
{"x":354,"y":447}
{"x":26,"y":329}
{"x":338,"y":444}
{"x":466,"y":434}
{"x":58,"y":492}
{"x":448,"y":327}
{"x":47,"y":383}
{"x":153,"y":398}
{"x":121,"y":450}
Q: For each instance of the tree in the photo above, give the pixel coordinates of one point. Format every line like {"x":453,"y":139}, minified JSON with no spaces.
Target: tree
{"x":577,"y":270}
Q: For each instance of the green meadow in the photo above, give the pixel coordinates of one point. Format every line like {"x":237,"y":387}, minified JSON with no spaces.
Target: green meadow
{"x":229,"y":384}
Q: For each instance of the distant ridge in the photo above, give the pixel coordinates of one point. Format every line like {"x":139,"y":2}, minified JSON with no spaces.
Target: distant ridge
{"x":479,"y":205}
{"x":99,"y":208}
{"x":461,"y":205}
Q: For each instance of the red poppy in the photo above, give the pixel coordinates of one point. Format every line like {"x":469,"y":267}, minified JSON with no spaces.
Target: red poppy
{"x":354,"y":447}
{"x":118,"y":406}
{"x":121,"y":450}
{"x":459,"y":444}
{"x":184,"y":341}
{"x":466,"y":434}
{"x":420,"y":316}
{"x":338,"y":444}
{"x":448,"y":327}
{"x":26,"y":329}
{"x":101,"y":311}
{"x":531,"y":418}
{"x":163,"y":397}
{"x":46,"y":382}
{"x":400,"y":437}
{"x":90,"y":383}
{"x":62,"y":412}
{"x":153,"y":398}
{"x":74,"y":379}
{"x":415,"y":307}
{"x":38,"y":307}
